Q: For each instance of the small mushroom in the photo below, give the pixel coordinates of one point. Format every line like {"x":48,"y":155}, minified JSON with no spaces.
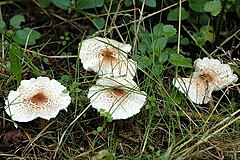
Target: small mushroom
{"x":121,"y":97}
{"x":107,"y":57}
{"x":34,"y":98}
{"x":210,"y":75}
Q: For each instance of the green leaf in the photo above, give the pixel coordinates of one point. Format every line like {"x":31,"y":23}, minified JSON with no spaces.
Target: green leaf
{"x":237,"y":7}
{"x":204,"y":19}
{"x":21,"y":36}
{"x":159,"y":43}
{"x":63,"y":4}
{"x":214,"y":7}
{"x":180,"y":60}
{"x":2,"y":24}
{"x":88,"y":4}
{"x":142,"y":46}
{"x":185,"y":41}
{"x":208,"y":33}
{"x":143,"y":61}
{"x":163,"y":57}
{"x":158,"y":30}
{"x":128,"y":3}
{"x":16,"y":66}
{"x":10,"y":33}
{"x":157,"y":70}
{"x":99,"y":3}
{"x":173,"y":15}
{"x":150,"y":3}
{"x":199,"y":40}
{"x":197,"y":5}
{"x":99,"y":129}
{"x":44,"y":3}
{"x":165,"y":54}
{"x":99,"y":22}
{"x":16,"y":21}
{"x":169,"y":30}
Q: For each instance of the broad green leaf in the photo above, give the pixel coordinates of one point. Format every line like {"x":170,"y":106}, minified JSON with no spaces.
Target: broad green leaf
{"x":158,"y":30}
{"x":44,"y":3}
{"x":173,"y":39}
{"x":99,"y":3}
{"x":173,"y":15}
{"x":143,"y":61}
{"x":214,"y":7}
{"x":179,"y":60}
{"x":237,"y":7}
{"x":16,"y":21}
{"x":99,"y":22}
{"x":197,"y":5}
{"x":159,"y":43}
{"x":150,"y":3}
{"x":145,"y":38}
{"x":208,"y":33}
{"x":22,"y":36}
{"x":204,"y":19}
{"x":88,"y":4}
{"x":164,"y":55}
{"x":142,"y":46}
{"x":169,"y":30}
{"x":63,"y":4}
{"x":15,"y":64}
{"x":2,"y":24}
{"x":34,"y":34}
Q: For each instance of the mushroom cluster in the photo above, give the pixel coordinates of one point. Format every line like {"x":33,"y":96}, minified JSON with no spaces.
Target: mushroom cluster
{"x":115,"y":91}
{"x":209,"y":75}
{"x":35,"y":98}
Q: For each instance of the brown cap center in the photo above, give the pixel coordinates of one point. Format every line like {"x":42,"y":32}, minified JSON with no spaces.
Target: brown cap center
{"x":39,"y":98}
{"x":206,"y":77}
{"x":108,"y":55}
{"x":118,"y":92}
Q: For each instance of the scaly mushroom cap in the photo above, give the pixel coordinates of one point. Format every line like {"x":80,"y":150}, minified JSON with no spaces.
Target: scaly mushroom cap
{"x":34,"y":98}
{"x":121,"y":97}
{"x":107,"y":57}
{"x":215,"y":73}
{"x":210,"y":75}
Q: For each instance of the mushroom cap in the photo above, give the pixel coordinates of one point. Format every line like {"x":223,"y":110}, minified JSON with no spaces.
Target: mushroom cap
{"x":119,"y":96}
{"x":219,"y":75}
{"x":107,"y":57}
{"x":209,"y":75}
{"x":34,"y":98}
{"x":197,"y":90}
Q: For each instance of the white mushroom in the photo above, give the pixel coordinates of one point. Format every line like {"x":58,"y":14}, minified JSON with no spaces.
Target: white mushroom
{"x":210,"y":75}
{"x":120,"y":97}
{"x":107,"y":57}
{"x":34,"y":98}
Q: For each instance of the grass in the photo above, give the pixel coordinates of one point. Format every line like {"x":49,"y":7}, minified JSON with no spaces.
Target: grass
{"x":169,"y":126}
